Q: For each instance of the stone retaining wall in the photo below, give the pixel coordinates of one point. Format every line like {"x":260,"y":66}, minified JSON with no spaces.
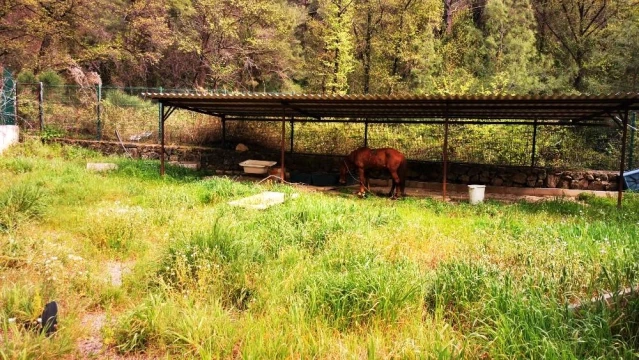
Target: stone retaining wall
{"x":226,"y":161}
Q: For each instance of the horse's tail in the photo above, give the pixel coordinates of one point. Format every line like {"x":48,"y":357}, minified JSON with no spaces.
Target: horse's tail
{"x":402,"y":172}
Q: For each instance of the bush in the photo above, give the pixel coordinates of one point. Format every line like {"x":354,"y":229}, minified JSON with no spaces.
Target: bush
{"x":119,"y":98}
{"x":19,"y":204}
{"x":50,"y":78}
{"x":26,"y":77}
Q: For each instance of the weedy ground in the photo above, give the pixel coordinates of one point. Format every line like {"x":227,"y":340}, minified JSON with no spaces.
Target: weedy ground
{"x":320,"y":276}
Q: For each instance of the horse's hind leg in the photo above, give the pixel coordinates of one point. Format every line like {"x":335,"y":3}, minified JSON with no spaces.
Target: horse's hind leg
{"x":394,"y":193}
{"x":390,"y":194}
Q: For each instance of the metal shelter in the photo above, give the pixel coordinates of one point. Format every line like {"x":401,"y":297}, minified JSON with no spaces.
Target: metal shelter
{"x":556,"y":110}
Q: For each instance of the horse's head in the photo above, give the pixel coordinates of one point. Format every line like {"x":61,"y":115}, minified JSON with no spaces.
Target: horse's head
{"x":343,"y":170}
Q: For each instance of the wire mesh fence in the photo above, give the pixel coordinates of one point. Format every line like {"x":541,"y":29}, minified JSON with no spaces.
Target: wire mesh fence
{"x":122,"y":114}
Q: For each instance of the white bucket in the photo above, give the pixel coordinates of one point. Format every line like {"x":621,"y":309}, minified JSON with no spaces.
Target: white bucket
{"x":476,"y":193}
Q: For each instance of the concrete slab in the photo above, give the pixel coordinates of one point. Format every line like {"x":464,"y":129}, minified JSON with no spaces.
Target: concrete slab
{"x":186,"y":164}
{"x":260,"y":201}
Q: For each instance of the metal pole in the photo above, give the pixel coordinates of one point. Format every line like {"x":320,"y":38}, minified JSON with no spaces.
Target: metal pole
{"x":223,"y":132}
{"x":633,"y":123}
{"x":282,"y":173}
{"x":445,"y":180}
{"x":162,"y":140}
{"x":160,"y":114}
{"x":99,"y":135}
{"x":292,"y":132}
{"x":366,"y":133}
{"x":40,"y":105}
{"x":15,"y":107}
{"x":622,"y":166}
{"x":534,"y":144}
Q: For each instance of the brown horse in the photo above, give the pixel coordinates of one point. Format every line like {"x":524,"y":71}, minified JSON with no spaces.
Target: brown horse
{"x":363,"y":159}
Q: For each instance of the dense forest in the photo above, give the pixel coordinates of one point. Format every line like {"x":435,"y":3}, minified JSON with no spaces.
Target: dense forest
{"x":330,"y":46}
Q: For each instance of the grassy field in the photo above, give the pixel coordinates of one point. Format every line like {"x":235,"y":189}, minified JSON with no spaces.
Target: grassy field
{"x":321,"y":276}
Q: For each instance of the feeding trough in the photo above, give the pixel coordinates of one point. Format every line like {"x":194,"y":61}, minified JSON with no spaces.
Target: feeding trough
{"x":260,"y":201}
{"x":257,"y":166}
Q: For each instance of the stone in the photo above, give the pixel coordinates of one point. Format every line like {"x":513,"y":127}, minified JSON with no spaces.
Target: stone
{"x":241,"y":147}
{"x":519,"y":178}
{"x":552,"y":180}
{"x":583,"y":184}
{"x":464,"y":179}
{"x":589,"y":177}
{"x":497,"y":182}
{"x":597,"y":186}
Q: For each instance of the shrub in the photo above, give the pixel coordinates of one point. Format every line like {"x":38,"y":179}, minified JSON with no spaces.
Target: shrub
{"x":50,"y":78}
{"x":21,"y":203}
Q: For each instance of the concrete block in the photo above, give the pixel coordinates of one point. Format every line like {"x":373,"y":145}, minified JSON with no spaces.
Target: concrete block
{"x":9,"y":135}
{"x":101,"y":166}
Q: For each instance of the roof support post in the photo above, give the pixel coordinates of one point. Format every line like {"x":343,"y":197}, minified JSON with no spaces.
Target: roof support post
{"x":292,"y":133}
{"x":622,"y":165}
{"x":366,"y":132}
{"x":223,"y":118}
{"x":282,"y":173}
{"x":534,"y":144}
{"x":445,"y":153}
{"x":164,"y":115}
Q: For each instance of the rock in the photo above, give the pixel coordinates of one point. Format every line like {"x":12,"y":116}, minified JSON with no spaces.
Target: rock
{"x":520,"y":178}
{"x":589,"y":177}
{"x":497,"y":182}
{"x":551,"y":181}
{"x":583,"y":184}
{"x":241,"y":147}
{"x":597,"y":186}
{"x":464,"y":179}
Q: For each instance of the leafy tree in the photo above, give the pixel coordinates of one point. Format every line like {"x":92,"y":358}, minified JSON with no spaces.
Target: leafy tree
{"x":575,"y":26}
{"x":513,"y":63}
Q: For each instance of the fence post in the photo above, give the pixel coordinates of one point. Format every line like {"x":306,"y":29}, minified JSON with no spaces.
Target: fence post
{"x":631,"y":152}
{"x":534,"y":144}
{"x":15,"y":104}
{"x":41,"y":105}
{"x":99,"y":90}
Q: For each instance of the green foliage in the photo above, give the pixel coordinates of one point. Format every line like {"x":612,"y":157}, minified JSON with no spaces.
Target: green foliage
{"x":26,"y":77}
{"x":51,"y":132}
{"x":19,"y":204}
{"x":50,"y":78}
{"x":352,"y":289}
{"x":117,"y":97}
{"x":323,"y":275}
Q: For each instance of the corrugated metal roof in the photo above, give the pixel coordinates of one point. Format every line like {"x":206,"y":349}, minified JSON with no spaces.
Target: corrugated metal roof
{"x":548,"y":109}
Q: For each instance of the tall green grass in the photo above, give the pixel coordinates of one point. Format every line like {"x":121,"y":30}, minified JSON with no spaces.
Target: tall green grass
{"x":319,"y":276}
